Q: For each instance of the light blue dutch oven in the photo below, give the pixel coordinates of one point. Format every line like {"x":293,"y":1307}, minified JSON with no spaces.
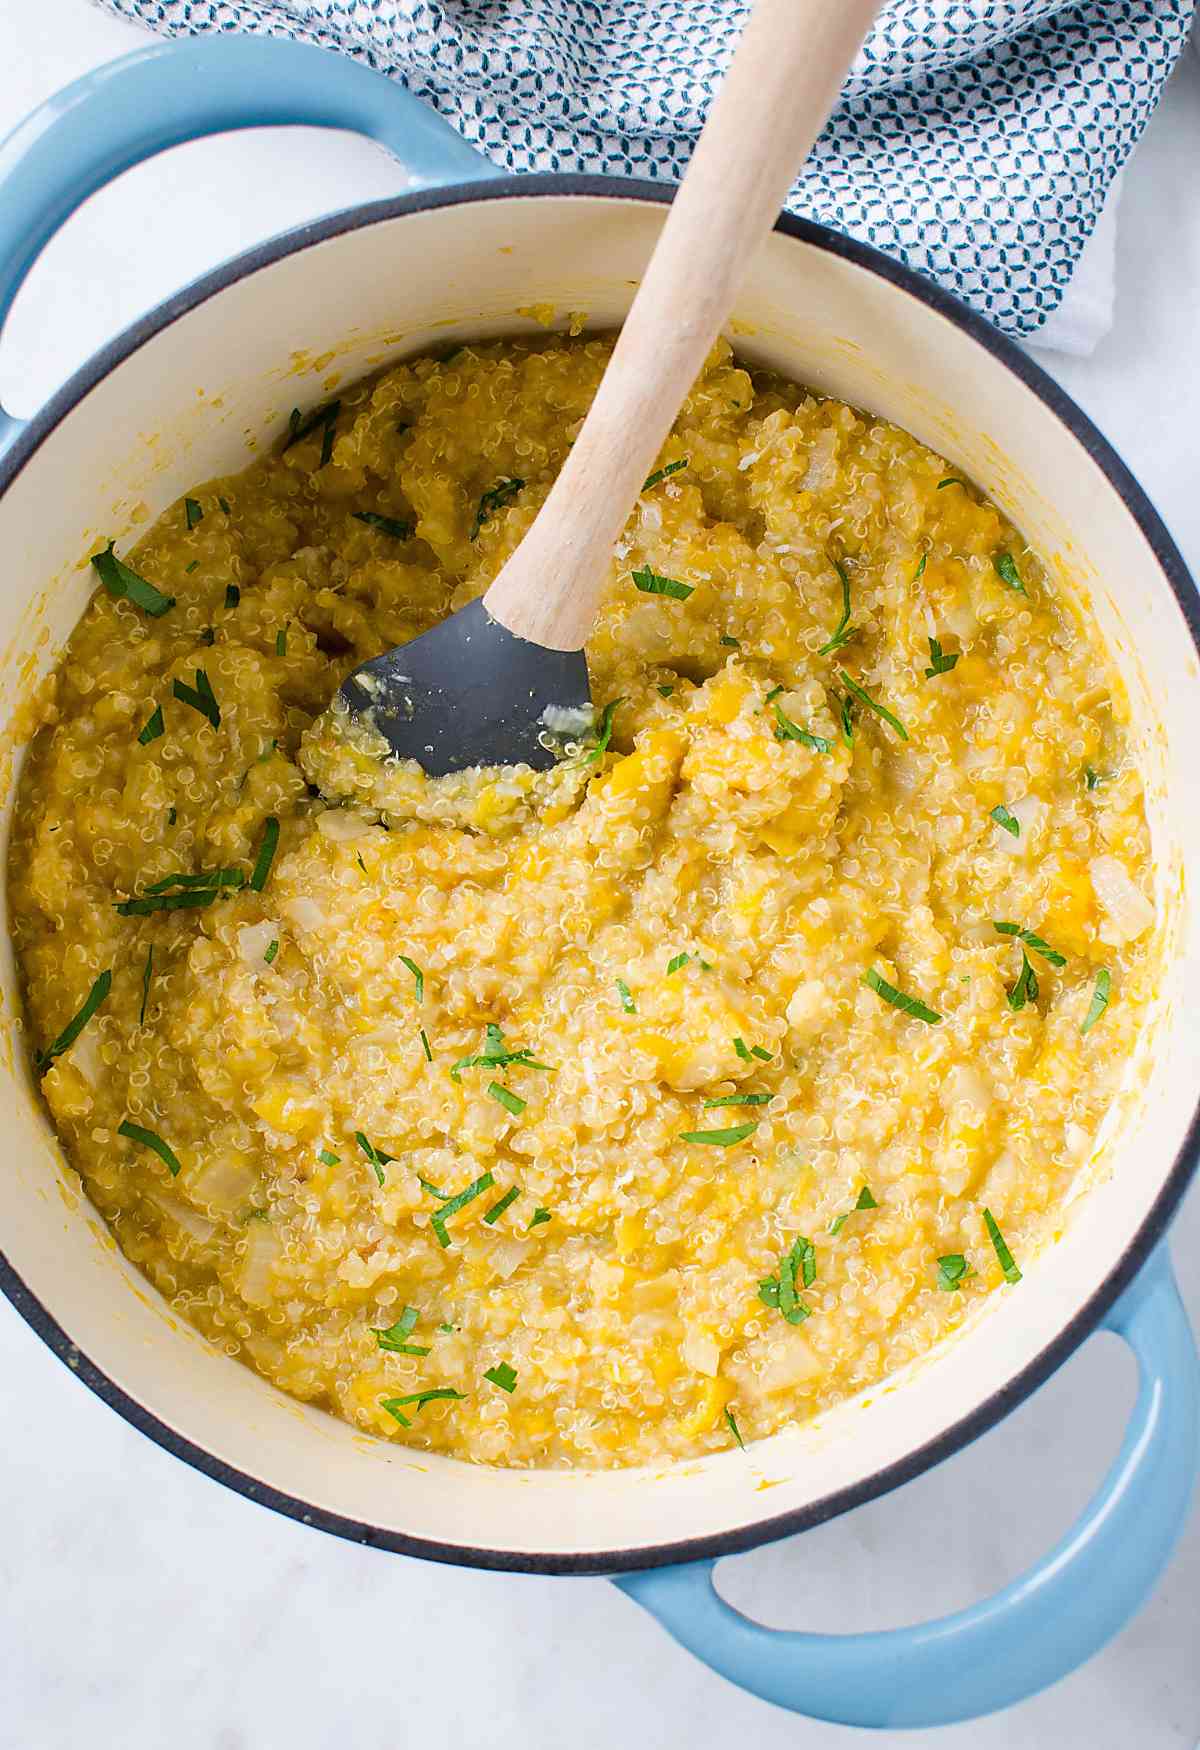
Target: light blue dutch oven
{"x":184,"y":395}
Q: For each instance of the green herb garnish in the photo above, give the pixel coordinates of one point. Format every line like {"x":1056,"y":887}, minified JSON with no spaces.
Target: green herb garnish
{"x":865,"y":1201}
{"x":730,"y":643}
{"x":496,"y":1056}
{"x":721,"y":1138}
{"x":224,"y":504}
{"x":664,"y":691}
{"x":779,"y":1292}
{"x":652,"y":582}
{"x":266,"y":853}
{"x":272,"y":950}
{"x":733,"y":1428}
{"x":865,"y":698}
{"x":746,"y":1052}
{"x":1007,"y":1261}
{"x":376,"y":1156}
{"x":939,"y":662}
{"x":387,"y":525}
{"x":395,"y":1338}
{"x":626,"y":996}
{"x":1093,"y":779}
{"x":493,"y":499}
{"x":193,"y":511}
{"x":1032,"y":941}
{"x":919,"y":573}
{"x":74,"y":1027}
{"x":147,"y":975}
{"x":452,"y":1205}
{"x":1006,"y":818}
{"x":492,"y":1215}
{"x":539,"y":1216}
{"x":843,"y":631}
{"x":906,"y":1004}
{"x":1006,"y":571}
{"x":281,"y":641}
{"x":1099,"y":999}
{"x":677,"y":963}
{"x":194,"y":890}
{"x":740,"y":1100}
{"x":150,"y":1139}
{"x":425,"y":1045}
{"x":200,"y":697}
{"x":786,"y":730}
{"x":418,"y":978}
{"x":418,"y":1399}
{"x":511,"y":1102}
{"x":847,"y":722}
{"x":950,"y":480}
{"x":233,"y":595}
{"x":328,"y":1159}
{"x":604,"y":731}
{"x":122,"y":582}
{"x":323,"y":418}
{"x":152,"y":728}
{"x":502,"y":1375}
{"x":663,"y":474}
{"x":952,"y":1271}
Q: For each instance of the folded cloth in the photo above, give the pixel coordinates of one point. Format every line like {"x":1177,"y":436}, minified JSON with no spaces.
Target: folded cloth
{"x":975,"y":139}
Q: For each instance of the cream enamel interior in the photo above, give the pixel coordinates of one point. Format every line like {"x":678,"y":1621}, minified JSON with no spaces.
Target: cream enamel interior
{"x":190,"y":403}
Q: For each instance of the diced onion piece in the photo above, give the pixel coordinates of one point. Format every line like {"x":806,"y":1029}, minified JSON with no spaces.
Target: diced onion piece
{"x":262,"y":1249}
{"x":255,"y":939}
{"x":304,"y":912}
{"x":341,"y":825}
{"x":792,"y":1362}
{"x":700,"y":1352}
{"x":1127,"y":912}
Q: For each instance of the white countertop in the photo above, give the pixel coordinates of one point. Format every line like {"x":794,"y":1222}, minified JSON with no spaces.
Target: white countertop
{"x":142,"y":1604}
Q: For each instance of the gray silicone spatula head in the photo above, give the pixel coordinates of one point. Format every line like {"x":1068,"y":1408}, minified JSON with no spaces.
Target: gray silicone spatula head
{"x":471,"y":693}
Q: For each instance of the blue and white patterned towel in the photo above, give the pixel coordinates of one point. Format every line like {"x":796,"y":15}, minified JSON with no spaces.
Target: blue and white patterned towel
{"x":977,"y":139}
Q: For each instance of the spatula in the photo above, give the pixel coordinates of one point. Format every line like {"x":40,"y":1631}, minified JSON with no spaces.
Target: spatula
{"x":484,"y":686}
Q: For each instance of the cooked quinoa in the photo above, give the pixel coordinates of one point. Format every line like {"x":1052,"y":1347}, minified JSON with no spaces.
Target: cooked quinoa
{"x":630,"y":1110}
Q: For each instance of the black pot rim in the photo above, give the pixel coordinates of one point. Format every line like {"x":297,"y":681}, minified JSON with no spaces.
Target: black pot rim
{"x":998,"y":1405}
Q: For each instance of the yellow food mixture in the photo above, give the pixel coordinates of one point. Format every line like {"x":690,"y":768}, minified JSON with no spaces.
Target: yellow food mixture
{"x":624,"y":1112}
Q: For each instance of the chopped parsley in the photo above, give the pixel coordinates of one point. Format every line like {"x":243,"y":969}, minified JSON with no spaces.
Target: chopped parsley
{"x":492,"y":1215}
{"x":496,"y":1056}
{"x":604,"y":731}
{"x":152,"y":728}
{"x":122,"y":582}
{"x":452,"y":1205}
{"x":1006,"y":571}
{"x":327,"y":1158}
{"x":425,"y":1046}
{"x":281,"y":641}
{"x":677,"y":963}
{"x":950,"y":480}
{"x":865,"y":698}
{"x":395,"y":1338}
{"x":511,"y":1102}
{"x":626,"y":996}
{"x":193,"y":511}
{"x":151,"y":1139}
{"x":779,"y":1292}
{"x":418,"y":978}
{"x":1099,"y":999}
{"x":324,"y":419}
{"x":387,"y":525}
{"x":843,"y":631}
{"x":1032,"y":941}
{"x":1007,"y":1261}
{"x":746,"y":1052}
{"x":865,"y":1201}
{"x":740,"y":1100}
{"x":76,"y":1024}
{"x":502,"y":1375}
{"x":266,"y":853}
{"x":952,"y":1271}
{"x":376,"y":1156}
{"x":731,"y":1419}
{"x":786,"y":730}
{"x":774,"y":693}
{"x":493,"y":500}
{"x":665,"y":691}
{"x":233,"y":595}
{"x":1026,"y":988}
{"x":200,"y":697}
{"x":147,"y":975}
{"x":652,"y":582}
{"x":939,"y":662}
{"x":919,"y":573}
{"x":663,"y":473}
{"x":272,"y":950}
{"x":721,"y":1138}
{"x":907,"y":1005}
{"x":539,"y":1216}
{"x":1007,"y":819}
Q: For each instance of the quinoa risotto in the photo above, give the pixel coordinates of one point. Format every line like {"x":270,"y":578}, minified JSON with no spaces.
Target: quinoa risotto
{"x":622,"y":1112}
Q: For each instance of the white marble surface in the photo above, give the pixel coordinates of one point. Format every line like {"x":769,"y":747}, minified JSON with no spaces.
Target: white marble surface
{"x":141,"y":1604}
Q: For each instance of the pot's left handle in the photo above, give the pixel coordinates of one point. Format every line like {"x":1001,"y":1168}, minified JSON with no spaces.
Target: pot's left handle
{"x":169,"y":93}
{"x":1033,"y":1632}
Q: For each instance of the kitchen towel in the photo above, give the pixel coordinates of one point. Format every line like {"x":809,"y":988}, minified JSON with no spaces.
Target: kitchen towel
{"x":978,"y":140}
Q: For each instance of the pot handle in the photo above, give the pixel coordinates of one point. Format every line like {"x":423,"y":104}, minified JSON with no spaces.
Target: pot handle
{"x":1033,"y":1632}
{"x":164,"y":95}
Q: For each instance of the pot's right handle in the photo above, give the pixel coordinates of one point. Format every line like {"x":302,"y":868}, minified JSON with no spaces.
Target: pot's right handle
{"x":164,"y":95}
{"x":1038,"y":1629}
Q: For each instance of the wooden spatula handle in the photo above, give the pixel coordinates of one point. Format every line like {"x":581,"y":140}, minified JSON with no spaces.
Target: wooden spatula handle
{"x":776,"y":96}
